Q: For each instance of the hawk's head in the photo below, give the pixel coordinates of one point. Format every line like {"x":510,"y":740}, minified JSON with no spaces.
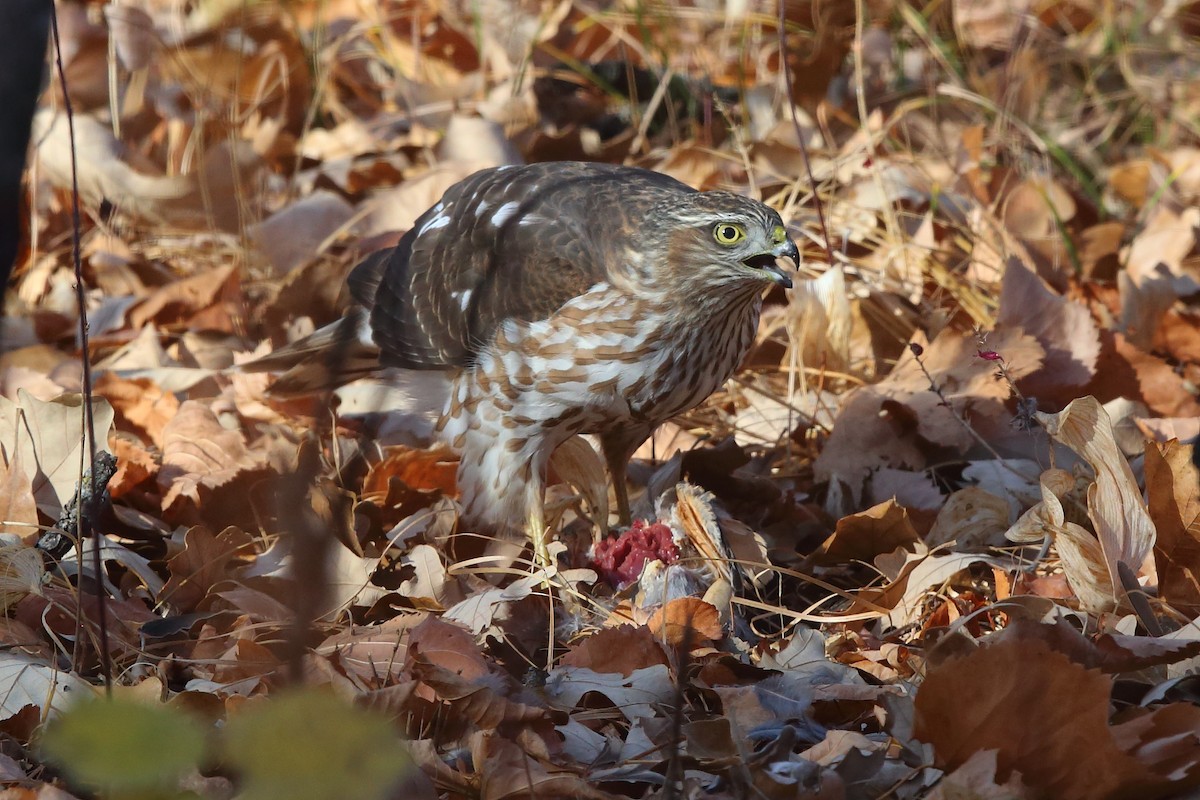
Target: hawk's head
{"x":721,"y":238}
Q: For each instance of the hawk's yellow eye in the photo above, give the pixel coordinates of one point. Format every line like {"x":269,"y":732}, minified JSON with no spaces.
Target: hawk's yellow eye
{"x":728,"y":233}
{"x":778,"y":235}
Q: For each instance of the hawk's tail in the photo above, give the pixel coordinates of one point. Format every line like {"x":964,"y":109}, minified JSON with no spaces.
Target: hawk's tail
{"x":324,"y":360}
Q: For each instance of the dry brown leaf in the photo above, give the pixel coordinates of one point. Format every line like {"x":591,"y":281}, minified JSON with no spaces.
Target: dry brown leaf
{"x":1164,"y":741}
{"x":1130,"y":180}
{"x":1099,"y":250}
{"x":996,"y":698}
{"x":860,"y":537}
{"x":1163,"y":430}
{"x":1159,"y":383}
{"x":372,"y":653}
{"x":448,"y":646}
{"x":620,"y":649}
{"x":398,"y":209}
{"x":183,"y":299}
{"x":819,"y":322}
{"x":205,"y":561}
{"x":892,"y":423}
{"x":919,"y":575}
{"x":1064,"y":329}
{"x":432,"y":469}
{"x":199,"y":453}
{"x":976,"y":779}
{"x":508,"y":773}
{"x":477,"y":700}
{"x":430,"y":587}
{"x":915,"y":490}
{"x":1173,"y":491}
{"x":686,"y":620}
{"x":1165,"y":241}
{"x":103,"y":172}
{"x":635,"y":695}
{"x":990,"y":24}
{"x":1035,"y":208}
{"x":135,"y":465}
{"x":140,"y":404}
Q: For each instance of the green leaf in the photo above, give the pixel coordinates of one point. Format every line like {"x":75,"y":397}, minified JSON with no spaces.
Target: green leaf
{"x":312,"y":746}
{"x":123,"y":747}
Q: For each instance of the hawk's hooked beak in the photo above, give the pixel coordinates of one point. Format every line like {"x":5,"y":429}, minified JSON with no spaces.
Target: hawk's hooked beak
{"x":766,"y":262}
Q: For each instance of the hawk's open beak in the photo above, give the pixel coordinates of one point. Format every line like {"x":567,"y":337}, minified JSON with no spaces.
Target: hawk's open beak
{"x":766,"y":262}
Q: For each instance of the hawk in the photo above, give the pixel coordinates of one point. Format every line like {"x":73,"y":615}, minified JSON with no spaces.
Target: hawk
{"x":565,"y":298}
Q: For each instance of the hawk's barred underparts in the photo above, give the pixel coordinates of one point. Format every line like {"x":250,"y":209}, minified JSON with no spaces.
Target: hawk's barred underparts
{"x":568,"y":298}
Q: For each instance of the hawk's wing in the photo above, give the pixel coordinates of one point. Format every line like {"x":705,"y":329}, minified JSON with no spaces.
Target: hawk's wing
{"x":512,"y":242}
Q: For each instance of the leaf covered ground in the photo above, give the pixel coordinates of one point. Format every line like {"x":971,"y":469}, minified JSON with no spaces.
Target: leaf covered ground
{"x":939,"y":537}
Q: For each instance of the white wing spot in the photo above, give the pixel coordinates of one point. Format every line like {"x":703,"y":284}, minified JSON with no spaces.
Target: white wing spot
{"x":440,"y":220}
{"x":481,"y":207}
{"x":504,"y":212}
{"x":463,"y":298}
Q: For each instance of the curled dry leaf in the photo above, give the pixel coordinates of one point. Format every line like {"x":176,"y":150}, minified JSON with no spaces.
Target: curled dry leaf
{"x":576,"y":462}
{"x":1123,"y":525}
{"x":1082,"y":557}
{"x":819,"y":322}
{"x":693,"y":516}
{"x":430,"y":469}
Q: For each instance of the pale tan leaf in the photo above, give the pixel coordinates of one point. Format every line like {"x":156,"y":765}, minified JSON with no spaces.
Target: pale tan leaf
{"x":47,"y":438}
{"x":18,"y":511}
{"x":292,"y":236}
{"x":26,"y":681}
{"x":972,"y":518}
{"x":577,"y":462}
{"x":21,"y":573}
{"x":1115,"y":505}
